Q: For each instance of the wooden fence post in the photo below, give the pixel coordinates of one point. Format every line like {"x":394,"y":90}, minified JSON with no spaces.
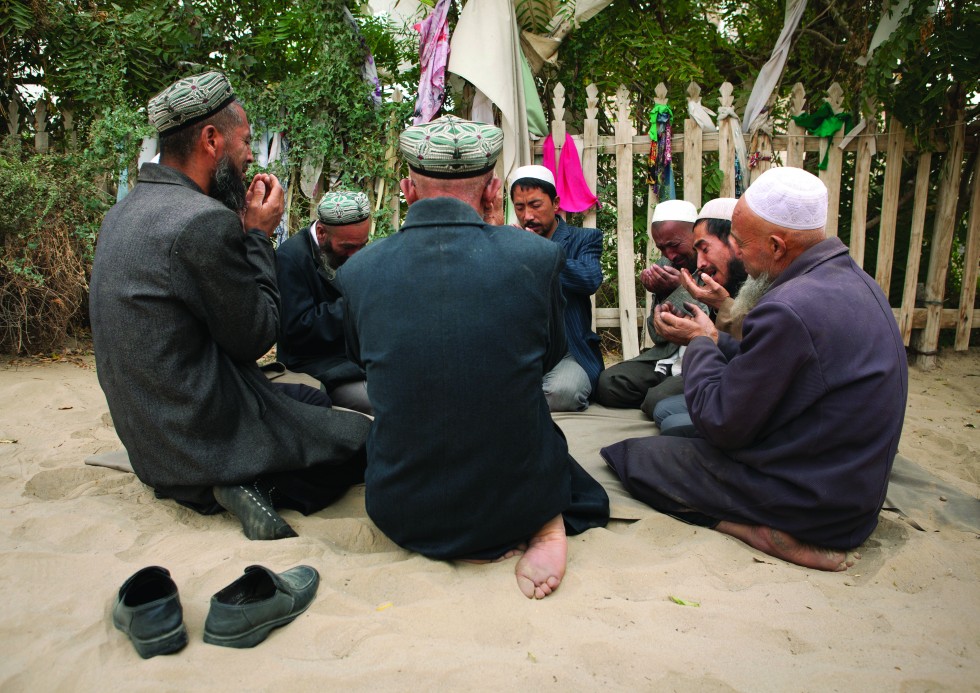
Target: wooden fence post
{"x":624,"y":225}
{"x":726,"y":144}
{"x":590,"y":148}
{"x":859,"y":203}
{"x":968,"y":291}
{"x":653,"y":253}
{"x":894,"y":157}
{"x":693,"y":149}
{"x":835,"y":158}
{"x":558,"y":122}
{"x":391,"y":156}
{"x":942,"y":242}
{"x":907,"y":310}
{"x":795,"y":134}
{"x":41,"y":125}
{"x":761,"y":142}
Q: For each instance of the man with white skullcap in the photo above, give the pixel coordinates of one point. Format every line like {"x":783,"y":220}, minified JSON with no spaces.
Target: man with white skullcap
{"x":800,"y":420}
{"x":455,"y":322}
{"x":183,"y":301}
{"x":650,"y":377}
{"x":568,"y":385}
{"x":311,"y":331}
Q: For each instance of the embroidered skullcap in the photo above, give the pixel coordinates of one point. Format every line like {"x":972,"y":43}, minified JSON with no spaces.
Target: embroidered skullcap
{"x":451,"y":147}
{"x":789,"y":197}
{"x":675,"y":210}
{"x":719,"y":208}
{"x":536,"y":172}
{"x":342,"y":207}
{"x":189,"y":100}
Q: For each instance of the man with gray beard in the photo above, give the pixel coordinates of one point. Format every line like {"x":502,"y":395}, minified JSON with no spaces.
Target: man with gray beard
{"x":800,"y":421}
{"x":183,"y":301}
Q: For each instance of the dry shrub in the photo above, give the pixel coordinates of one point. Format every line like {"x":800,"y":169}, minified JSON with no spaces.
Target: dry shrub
{"x":47,"y":231}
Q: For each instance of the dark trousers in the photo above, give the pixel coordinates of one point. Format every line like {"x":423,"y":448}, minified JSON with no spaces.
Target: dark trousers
{"x":306,"y":490}
{"x":312,"y":489}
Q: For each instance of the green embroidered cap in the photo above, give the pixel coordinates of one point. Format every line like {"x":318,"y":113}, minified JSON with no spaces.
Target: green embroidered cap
{"x":451,"y":147}
{"x":342,"y":207}
{"x":189,"y":100}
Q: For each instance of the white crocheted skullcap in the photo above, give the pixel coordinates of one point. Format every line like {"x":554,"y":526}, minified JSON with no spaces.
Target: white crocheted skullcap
{"x":789,"y":197}
{"x":719,"y":208}
{"x":536,"y":172}
{"x":675,"y":210}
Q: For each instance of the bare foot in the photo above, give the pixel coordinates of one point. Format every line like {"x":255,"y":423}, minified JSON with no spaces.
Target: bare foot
{"x":783,"y":546}
{"x":540,"y":570}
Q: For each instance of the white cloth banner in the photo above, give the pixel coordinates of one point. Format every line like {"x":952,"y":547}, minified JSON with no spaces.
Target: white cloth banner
{"x":772,"y":71}
{"x":486,"y":50}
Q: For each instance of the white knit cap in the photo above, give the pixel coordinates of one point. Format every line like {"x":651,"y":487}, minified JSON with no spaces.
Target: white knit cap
{"x":719,"y":208}
{"x":789,"y":197}
{"x":675,"y":210}
{"x":537,"y":172}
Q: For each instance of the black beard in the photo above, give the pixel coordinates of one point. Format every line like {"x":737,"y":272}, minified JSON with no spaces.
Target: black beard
{"x":736,"y":277}
{"x":227,"y":186}
{"x":331,"y":259}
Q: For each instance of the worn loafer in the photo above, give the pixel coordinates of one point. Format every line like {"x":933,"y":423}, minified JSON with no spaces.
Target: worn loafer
{"x":148,"y":610}
{"x":243,"y":613}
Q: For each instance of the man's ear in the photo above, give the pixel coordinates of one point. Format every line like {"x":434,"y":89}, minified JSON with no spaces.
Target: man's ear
{"x":408,"y":190}
{"x":210,"y":139}
{"x":777,"y":245}
{"x":490,"y":190}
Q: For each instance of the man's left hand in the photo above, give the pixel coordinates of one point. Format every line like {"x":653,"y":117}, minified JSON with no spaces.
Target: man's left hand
{"x":681,"y":329}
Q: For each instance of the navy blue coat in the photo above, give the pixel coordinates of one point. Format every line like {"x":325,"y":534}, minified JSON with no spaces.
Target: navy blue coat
{"x":581,"y":278}
{"x":456,"y":323}
{"x":800,"y":420}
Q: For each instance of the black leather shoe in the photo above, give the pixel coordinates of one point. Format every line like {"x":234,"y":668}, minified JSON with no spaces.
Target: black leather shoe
{"x":148,"y":610}
{"x":252,"y":505}
{"x":243,"y":613}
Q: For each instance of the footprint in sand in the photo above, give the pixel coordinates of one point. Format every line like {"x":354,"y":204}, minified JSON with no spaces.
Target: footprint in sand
{"x":354,"y":535}
{"x":72,"y":482}
{"x":890,"y":535}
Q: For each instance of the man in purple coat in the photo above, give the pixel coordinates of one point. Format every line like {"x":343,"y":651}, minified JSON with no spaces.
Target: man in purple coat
{"x":800,"y":420}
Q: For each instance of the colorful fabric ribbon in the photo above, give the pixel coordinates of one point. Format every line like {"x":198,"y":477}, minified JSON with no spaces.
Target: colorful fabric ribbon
{"x":573,"y":192}
{"x":433,"y":56}
{"x":660,"y":172}
{"x":823,"y":123}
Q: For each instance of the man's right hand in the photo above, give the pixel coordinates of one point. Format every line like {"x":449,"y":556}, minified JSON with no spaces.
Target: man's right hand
{"x":264,"y":203}
{"x":711,"y":294}
{"x":660,"y":280}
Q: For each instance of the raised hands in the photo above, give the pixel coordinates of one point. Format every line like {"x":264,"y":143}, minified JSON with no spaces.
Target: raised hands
{"x":264,"y":203}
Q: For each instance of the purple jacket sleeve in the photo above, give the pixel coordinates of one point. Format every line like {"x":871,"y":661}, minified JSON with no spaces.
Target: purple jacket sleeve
{"x":733,"y":401}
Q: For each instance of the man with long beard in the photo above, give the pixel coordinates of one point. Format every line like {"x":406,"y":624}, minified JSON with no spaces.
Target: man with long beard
{"x":800,"y":420}
{"x":183,"y":301}
{"x":311,"y":334}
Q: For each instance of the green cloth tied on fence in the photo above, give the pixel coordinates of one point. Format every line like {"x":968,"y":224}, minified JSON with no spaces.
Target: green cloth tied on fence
{"x":823,"y":123}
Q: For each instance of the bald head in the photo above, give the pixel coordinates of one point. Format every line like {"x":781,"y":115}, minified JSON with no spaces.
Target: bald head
{"x":765,"y":247}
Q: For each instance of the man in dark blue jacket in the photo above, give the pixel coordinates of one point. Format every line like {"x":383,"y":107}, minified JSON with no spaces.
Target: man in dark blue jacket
{"x":456,"y":322}
{"x":311,"y":329}
{"x":569,"y":385}
{"x":800,"y":420}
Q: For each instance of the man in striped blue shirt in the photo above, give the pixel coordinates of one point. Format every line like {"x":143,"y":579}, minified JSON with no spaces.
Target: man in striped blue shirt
{"x":569,"y":385}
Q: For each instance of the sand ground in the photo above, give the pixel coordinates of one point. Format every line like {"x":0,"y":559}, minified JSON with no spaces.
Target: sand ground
{"x":906,"y":618}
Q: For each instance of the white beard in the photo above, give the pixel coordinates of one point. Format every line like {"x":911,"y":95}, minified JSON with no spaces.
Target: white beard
{"x":749,"y":295}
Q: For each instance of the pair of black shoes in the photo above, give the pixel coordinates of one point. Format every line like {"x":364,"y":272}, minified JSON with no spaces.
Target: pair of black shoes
{"x":242,"y":614}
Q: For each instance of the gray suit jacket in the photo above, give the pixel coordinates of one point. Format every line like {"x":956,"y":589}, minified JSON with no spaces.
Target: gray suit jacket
{"x":182,"y":304}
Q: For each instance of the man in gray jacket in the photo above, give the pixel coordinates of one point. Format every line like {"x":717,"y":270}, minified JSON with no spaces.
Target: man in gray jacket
{"x":183,"y":302}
